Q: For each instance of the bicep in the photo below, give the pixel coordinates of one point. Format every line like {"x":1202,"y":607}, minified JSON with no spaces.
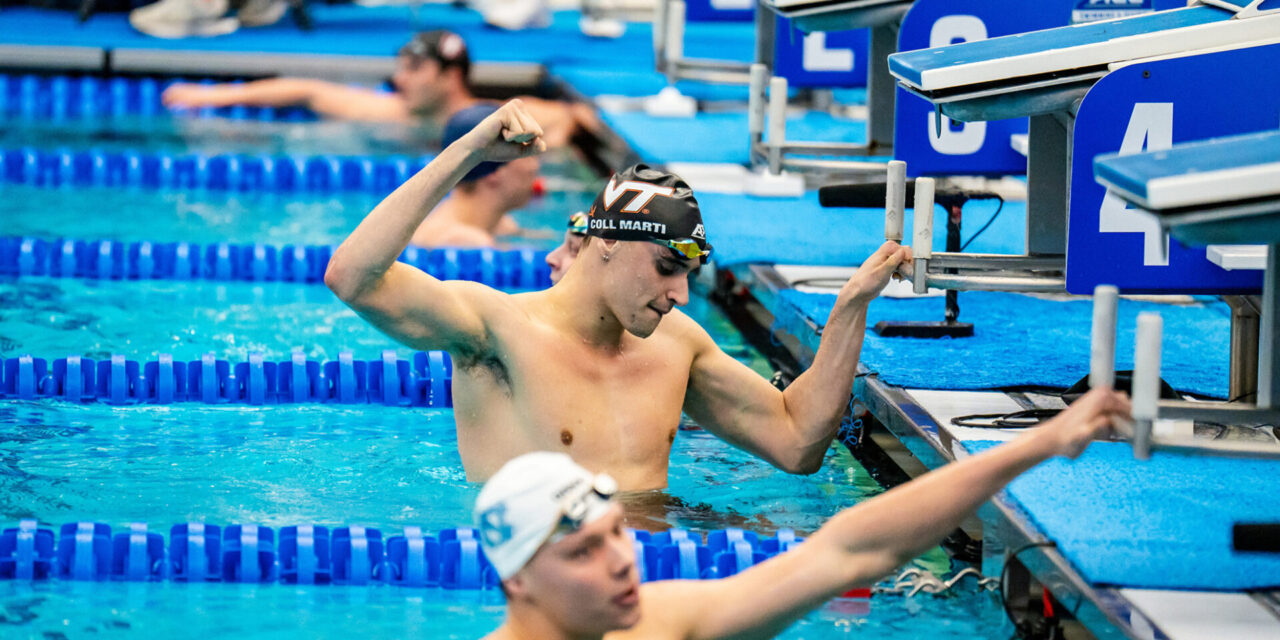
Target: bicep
{"x":735,"y":403}
{"x":425,"y":313}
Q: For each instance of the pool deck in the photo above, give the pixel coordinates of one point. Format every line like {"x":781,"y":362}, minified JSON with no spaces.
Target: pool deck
{"x":921,"y":420}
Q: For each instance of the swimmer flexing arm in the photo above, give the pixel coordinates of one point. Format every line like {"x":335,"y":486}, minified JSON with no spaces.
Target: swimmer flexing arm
{"x":402,"y":301}
{"x":568,"y":567}
{"x":791,"y":429}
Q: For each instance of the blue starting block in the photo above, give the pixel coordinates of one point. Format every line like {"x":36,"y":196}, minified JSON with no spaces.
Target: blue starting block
{"x":1046,"y":75}
{"x":1217,"y":191}
{"x":981,"y":147}
{"x":1223,"y":190}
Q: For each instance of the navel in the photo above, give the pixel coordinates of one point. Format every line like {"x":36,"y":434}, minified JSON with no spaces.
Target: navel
{"x":566,"y":437}
{"x":671,"y":437}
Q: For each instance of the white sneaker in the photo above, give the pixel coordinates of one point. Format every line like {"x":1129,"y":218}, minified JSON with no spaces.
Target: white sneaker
{"x":183,"y":18}
{"x":260,"y":13}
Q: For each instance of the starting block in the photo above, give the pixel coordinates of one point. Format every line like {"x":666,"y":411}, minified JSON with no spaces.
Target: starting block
{"x":820,"y":63}
{"x":1053,"y":76}
{"x":669,"y":19}
{"x":1224,"y":190}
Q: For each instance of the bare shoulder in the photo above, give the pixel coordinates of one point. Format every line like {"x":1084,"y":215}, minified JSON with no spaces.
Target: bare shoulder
{"x":669,"y":609}
{"x":484,"y":298}
{"x":680,"y":327}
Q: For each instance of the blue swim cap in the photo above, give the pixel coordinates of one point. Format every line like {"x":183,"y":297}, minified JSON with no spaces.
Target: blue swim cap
{"x":462,"y":122}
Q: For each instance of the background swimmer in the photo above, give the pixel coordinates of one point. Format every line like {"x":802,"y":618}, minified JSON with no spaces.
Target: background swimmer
{"x":564,"y":255}
{"x":479,"y":207}
{"x":430,"y":84}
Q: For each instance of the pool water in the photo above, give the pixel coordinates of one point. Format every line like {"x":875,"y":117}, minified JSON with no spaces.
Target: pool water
{"x":322,"y":464}
{"x":213,"y":136}
{"x":250,"y":612}
{"x":59,"y":317}
{"x":372,"y":466}
{"x":205,"y":217}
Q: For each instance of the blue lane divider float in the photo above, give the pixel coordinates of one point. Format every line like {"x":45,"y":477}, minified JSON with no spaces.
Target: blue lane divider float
{"x":221,"y":172}
{"x":424,"y":380}
{"x":114,"y":260}
{"x":316,"y":555}
{"x":60,"y":97}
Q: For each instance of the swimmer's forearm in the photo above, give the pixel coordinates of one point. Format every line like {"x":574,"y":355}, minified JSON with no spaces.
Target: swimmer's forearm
{"x":816,"y":400}
{"x":897,"y":526}
{"x":272,"y":92}
{"x":366,"y":255}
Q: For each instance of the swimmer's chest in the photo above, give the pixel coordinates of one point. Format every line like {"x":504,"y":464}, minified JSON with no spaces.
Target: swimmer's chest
{"x":575,"y":397}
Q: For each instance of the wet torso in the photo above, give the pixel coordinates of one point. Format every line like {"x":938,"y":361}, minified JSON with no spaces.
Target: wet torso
{"x":539,"y":388}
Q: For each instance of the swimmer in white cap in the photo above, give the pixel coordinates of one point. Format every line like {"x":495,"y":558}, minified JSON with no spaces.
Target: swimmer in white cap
{"x":568,"y":568}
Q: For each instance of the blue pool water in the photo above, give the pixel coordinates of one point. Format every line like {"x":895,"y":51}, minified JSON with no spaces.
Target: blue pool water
{"x":219,"y":135}
{"x":322,"y":464}
{"x":220,"y":216}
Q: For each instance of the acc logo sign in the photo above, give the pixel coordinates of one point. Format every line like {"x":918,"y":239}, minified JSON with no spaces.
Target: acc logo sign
{"x":644,"y":193}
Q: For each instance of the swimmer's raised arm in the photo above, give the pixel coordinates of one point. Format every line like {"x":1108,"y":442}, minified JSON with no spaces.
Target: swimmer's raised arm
{"x":325,"y":98}
{"x":792,"y":429}
{"x":399,"y":299}
{"x":864,"y":543}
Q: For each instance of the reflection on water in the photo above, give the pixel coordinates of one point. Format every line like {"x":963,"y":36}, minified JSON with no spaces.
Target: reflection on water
{"x":375,"y":466}
{"x":207,"y":217}
{"x":212,"y":136}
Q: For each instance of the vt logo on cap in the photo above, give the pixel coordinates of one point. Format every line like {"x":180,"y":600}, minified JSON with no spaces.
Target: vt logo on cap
{"x":672,"y":220}
{"x":644,"y":193}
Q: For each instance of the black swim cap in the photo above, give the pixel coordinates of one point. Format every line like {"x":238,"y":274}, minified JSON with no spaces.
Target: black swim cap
{"x":643,"y":203}
{"x":445,"y":47}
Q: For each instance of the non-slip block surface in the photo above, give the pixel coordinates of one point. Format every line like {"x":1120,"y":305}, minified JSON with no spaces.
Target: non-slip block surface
{"x":1164,"y":523}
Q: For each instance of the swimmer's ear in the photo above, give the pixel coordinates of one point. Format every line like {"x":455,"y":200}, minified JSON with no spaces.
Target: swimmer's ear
{"x":607,"y":247}
{"x":513,"y":587}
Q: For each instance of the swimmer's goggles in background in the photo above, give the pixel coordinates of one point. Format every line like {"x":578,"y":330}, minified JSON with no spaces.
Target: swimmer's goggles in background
{"x":686,"y":247}
{"x":578,"y":224}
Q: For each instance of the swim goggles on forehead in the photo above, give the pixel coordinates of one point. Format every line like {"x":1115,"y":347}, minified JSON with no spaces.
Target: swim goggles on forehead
{"x":578,"y":224}
{"x":686,"y":247}
{"x":576,"y":506}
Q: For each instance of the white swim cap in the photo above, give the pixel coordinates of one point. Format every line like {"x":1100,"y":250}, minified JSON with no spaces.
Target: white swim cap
{"x":536,"y":498}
